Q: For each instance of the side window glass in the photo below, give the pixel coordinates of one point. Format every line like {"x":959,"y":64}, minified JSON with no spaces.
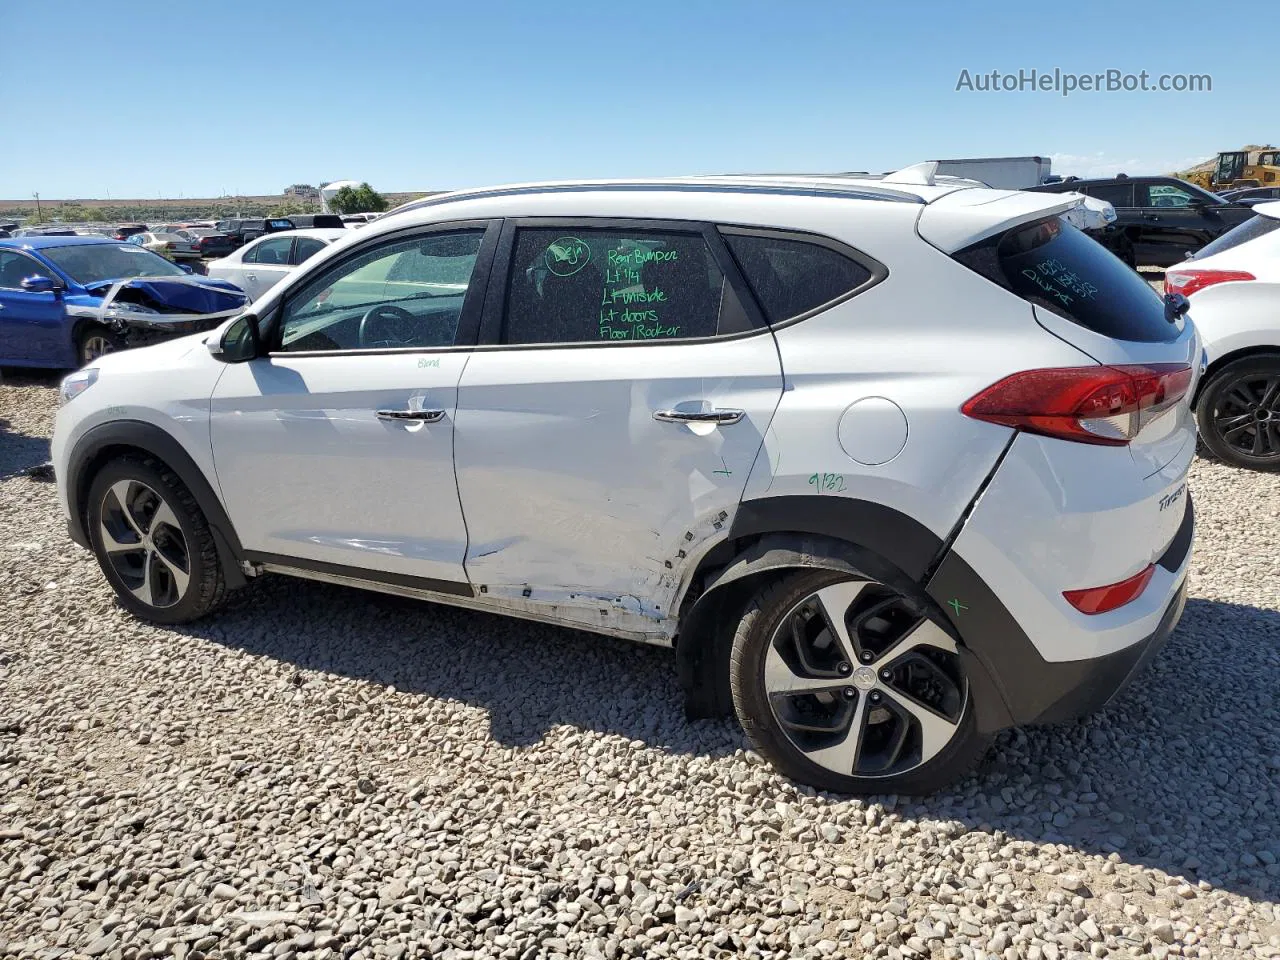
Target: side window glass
{"x":590,"y":286}
{"x":274,"y":251}
{"x":792,"y":277}
{"x":403,"y":294}
{"x":1167,"y":195}
{"x":14,"y":268}
{"x":1116,"y":194}
{"x":306,"y":247}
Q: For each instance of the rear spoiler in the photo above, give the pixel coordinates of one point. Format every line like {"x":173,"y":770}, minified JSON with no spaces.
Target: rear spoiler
{"x":962,"y":218}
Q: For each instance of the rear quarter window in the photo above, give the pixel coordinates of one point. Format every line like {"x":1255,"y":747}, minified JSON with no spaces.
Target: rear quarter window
{"x":791,"y":277}
{"x":1054,"y":266}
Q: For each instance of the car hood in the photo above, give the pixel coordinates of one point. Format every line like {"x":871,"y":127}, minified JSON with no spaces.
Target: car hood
{"x":169,"y":295}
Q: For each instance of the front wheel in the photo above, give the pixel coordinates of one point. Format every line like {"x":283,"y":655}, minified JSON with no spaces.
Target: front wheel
{"x":94,"y":342}
{"x":845,"y":684}
{"x":152,"y":542}
{"x":1239,"y":413}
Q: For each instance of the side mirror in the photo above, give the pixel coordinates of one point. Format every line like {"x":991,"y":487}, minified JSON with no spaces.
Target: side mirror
{"x":239,"y":342}
{"x":39,"y":284}
{"x":185,"y":268}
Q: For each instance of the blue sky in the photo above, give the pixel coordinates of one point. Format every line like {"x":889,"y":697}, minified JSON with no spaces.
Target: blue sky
{"x":151,"y":98}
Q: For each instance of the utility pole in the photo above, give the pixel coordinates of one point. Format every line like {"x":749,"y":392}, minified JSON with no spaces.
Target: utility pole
{"x":39,"y":218}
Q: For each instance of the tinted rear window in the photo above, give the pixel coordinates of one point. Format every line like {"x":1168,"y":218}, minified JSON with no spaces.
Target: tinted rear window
{"x":1056,"y":267}
{"x":791,"y":277}
{"x":1251,"y":229}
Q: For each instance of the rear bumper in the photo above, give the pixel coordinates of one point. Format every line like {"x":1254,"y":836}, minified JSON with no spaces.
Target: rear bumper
{"x":1011,"y":683}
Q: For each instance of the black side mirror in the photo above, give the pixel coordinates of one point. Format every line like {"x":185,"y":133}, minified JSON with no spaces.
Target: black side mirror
{"x":239,"y":342}
{"x":41,"y":284}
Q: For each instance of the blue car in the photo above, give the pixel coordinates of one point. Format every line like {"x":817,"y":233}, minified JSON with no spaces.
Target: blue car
{"x":65,"y":301}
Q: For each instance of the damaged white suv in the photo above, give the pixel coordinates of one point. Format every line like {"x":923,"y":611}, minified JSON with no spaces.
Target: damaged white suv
{"x":892,"y":464}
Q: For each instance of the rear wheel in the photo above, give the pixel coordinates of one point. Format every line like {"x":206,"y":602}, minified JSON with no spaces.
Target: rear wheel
{"x":845,"y":684}
{"x":1239,"y":413}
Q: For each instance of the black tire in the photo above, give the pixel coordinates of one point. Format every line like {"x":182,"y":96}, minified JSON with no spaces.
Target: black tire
{"x":122,"y":506}
{"x":759,"y":632}
{"x":1238,"y":413}
{"x":94,"y":341}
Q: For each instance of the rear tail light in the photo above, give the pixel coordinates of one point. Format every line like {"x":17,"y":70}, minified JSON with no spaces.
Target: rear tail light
{"x":1188,"y":281}
{"x":1103,"y":405}
{"x":1102,"y":599}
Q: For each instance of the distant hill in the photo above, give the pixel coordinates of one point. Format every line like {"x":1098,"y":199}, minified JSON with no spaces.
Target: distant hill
{"x":146,"y":210}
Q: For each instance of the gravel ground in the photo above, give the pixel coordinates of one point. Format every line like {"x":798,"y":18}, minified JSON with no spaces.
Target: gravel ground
{"x":323,"y":773}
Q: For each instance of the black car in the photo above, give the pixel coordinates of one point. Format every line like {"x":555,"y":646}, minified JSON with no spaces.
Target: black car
{"x":308,"y":221}
{"x":1251,"y":195}
{"x":1160,"y":221}
{"x":241,"y":231}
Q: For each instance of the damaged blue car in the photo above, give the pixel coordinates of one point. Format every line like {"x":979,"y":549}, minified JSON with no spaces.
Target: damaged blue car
{"x":65,"y":301}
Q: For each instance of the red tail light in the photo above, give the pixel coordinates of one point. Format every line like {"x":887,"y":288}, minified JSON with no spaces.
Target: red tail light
{"x":1188,"y":281}
{"x":1101,"y":599}
{"x":1105,"y":405}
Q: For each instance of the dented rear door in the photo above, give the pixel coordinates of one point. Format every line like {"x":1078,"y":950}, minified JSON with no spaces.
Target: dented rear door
{"x":596,"y":454}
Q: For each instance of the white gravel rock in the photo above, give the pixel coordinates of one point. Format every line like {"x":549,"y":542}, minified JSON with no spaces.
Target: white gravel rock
{"x":318,"y":773}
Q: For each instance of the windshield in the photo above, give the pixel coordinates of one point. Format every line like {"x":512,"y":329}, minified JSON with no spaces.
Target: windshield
{"x":92,"y":263}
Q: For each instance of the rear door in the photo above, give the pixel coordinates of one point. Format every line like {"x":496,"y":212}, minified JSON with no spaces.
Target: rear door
{"x":609,"y":430}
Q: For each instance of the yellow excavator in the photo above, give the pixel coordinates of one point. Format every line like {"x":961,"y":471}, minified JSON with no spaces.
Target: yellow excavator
{"x":1239,"y":168}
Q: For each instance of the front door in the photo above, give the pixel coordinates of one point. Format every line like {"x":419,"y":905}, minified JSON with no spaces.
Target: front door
{"x":609,"y":437}
{"x":33,"y":327}
{"x":336,"y":449}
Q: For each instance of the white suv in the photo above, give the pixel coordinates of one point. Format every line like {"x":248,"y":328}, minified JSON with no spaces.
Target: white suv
{"x":892,"y":464}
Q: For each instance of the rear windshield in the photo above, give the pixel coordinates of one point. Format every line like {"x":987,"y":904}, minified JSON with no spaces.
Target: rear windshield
{"x":1056,"y":267}
{"x":1253,"y":228}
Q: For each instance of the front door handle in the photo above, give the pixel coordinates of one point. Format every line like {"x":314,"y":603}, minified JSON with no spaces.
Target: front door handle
{"x":1150,"y":216}
{"x":251,"y":276}
{"x":699,"y":416}
{"x":418,"y":416}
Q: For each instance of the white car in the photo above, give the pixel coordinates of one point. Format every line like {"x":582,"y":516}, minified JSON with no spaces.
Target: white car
{"x":891,"y":464}
{"x":171,"y":246}
{"x":1233,"y":285}
{"x":262,"y":263}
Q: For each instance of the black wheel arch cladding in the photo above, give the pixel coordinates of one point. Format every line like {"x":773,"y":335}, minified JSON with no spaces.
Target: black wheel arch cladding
{"x":779,"y":534}
{"x":120,"y":437}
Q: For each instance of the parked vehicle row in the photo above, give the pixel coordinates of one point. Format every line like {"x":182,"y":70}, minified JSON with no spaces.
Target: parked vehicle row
{"x":581,"y":396}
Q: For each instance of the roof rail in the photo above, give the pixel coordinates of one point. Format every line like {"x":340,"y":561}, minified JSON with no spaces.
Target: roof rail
{"x":780,"y":184}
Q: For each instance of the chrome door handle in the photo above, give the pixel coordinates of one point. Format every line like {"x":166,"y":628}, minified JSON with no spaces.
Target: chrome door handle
{"x":421,"y":416}
{"x":699,"y":416}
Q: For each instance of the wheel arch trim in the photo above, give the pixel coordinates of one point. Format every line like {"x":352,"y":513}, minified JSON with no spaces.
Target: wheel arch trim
{"x":839,"y":534}
{"x":97,"y":445}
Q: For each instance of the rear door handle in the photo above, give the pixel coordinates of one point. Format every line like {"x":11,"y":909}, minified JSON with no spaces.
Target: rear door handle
{"x":1150,"y":216}
{"x":251,"y":276}
{"x":699,"y":416}
{"x":421,"y":416}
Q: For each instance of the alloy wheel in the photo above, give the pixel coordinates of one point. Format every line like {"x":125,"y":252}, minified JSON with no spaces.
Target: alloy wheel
{"x":144,"y":544}
{"x":95,"y":346}
{"x":1247,"y":415}
{"x":863,"y":684}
